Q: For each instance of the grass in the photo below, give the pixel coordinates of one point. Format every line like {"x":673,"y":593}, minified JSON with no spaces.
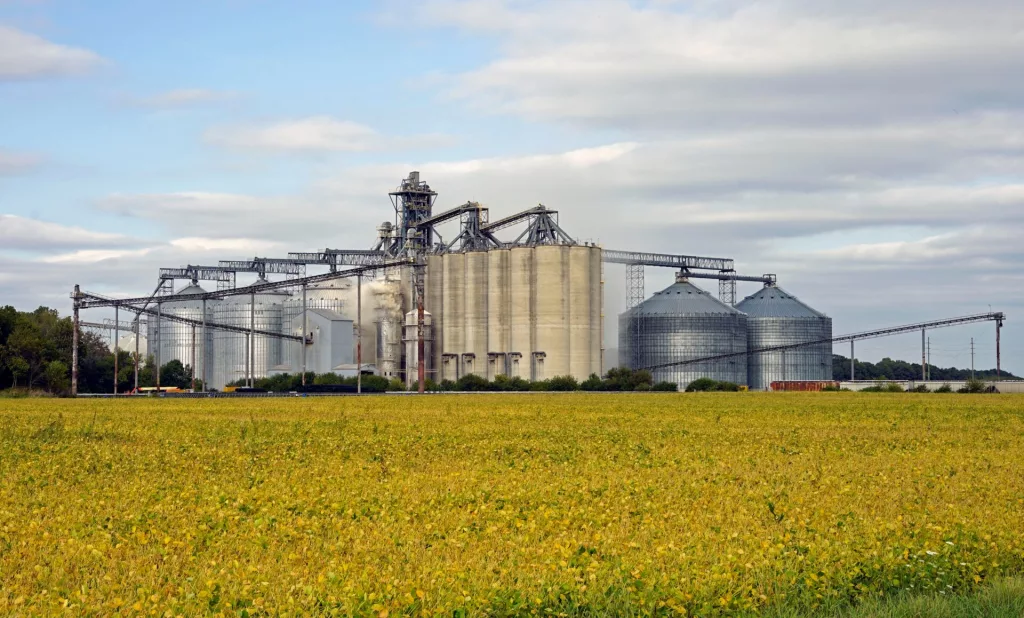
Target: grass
{"x":832,"y":504}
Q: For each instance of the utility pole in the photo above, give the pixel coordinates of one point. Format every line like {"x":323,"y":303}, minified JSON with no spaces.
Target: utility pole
{"x":74,"y":343}
{"x":359,"y":333}
{"x":929,"y":357}
{"x":972,"y":358}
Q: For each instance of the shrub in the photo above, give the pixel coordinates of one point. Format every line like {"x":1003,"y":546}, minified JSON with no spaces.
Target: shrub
{"x":593,"y":383}
{"x":945,"y":388}
{"x":562,"y":383}
{"x":473,"y":382}
{"x":920,"y":388}
{"x":666,"y":387}
{"x":446,"y":385}
{"x":702,"y":385}
{"x":642,"y":387}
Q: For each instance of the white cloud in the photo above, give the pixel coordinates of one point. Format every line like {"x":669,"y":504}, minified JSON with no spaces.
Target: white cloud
{"x":184,"y":97}
{"x":14,"y":163}
{"x":27,"y":234}
{"x":315,"y":134}
{"x":235,"y":246}
{"x":651,"y":66}
{"x":24,"y":55}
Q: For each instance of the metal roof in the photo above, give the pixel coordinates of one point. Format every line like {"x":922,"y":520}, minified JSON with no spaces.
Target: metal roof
{"x":683,"y":298}
{"x":774,"y":302}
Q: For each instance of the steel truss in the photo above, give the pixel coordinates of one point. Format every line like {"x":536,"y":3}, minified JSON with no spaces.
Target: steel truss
{"x":997,"y":317}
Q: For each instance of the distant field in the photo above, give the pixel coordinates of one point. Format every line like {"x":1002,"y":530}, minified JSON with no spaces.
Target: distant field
{"x":503,"y":504}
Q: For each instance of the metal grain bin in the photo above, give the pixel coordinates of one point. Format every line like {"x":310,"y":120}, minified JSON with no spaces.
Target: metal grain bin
{"x":679,"y":323}
{"x":173,"y":340}
{"x":777,"y":318}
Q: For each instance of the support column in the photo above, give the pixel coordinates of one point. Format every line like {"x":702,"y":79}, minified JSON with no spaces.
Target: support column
{"x":117,"y":347}
{"x":924,"y":358}
{"x":359,"y":333}
{"x":853,"y":362}
{"x":304,"y":327}
{"x":158,"y":337}
{"x":206,"y":350}
{"x":74,"y":343}
{"x":193,"y":358}
{"x":999,"y":358}
{"x":420,"y":347}
{"x":251,"y":343}
{"x":634,"y":297}
{"x":138,"y":320}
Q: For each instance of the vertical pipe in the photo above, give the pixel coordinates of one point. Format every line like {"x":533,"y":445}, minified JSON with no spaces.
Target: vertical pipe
{"x":924,"y":359}
{"x":193,"y":358}
{"x":117,"y":333}
{"x":303,"y":342}
{"x":159,"y":335}
{"x":251,"y":341}
{"x":206,"y":352}
{"x":852,"y":362}
{"x":359,"y":333}
{"x":74,"y":345}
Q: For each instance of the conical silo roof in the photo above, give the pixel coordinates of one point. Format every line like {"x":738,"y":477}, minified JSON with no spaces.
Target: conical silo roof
{"x":774,"y":302}
{"x":684,"y":298}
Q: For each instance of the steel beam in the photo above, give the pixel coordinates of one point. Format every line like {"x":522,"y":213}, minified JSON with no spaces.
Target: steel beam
{"x":667,"y":260}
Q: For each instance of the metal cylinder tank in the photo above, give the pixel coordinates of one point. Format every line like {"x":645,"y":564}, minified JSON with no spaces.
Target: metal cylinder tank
{"x":777,"y":318}
{"x":522,"y":319}
{"x":551,"y":281}
{"x":411,"y":339}
{"x":388,"y":307}
{"x":475,"y":348}
{"x":173,"y":340}
{"x":337,"y":295}
{"x":499,"y":297}
{"x":232,"y":360}
{"x":683,"y":322}
{"x":453,"y":266}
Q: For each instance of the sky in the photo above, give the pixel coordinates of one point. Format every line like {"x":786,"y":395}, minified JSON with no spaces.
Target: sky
{"x":869,"y":153}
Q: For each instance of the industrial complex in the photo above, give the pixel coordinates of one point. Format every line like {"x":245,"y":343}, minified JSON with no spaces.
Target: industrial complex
{"x":442,"y":295}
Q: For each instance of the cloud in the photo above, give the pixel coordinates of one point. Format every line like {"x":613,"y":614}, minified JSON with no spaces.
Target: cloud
{"x":655,"y":66}
{"x":25,"y":56}
{"x":315,"y":134}
{"x":22,"y":233}
{"x":15,"y":163}
{"x":185,"y":97}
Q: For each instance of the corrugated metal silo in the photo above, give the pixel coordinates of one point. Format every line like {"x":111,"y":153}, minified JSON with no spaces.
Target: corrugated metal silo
{"x":231,"y":359}
{"x":453,"y":267}
{"x":412,"y":345}
{"x":776,"y":318}
{"x":434,"y":303}
{"x":684,"y":322}
{"x":336,"y":296}
{"x":173,"y":340}
{"x":596,"y":312}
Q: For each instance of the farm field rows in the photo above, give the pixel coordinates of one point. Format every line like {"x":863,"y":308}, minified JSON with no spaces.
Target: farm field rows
{"x":574,"y":504}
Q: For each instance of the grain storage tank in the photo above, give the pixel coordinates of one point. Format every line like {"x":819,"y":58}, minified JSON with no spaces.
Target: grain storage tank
{"x":411,"y":339}
{"x":387,"y":299}
{"x":777,"y":318}
{"x":232,"y":361}
{"x":173,"y":340}
{"x":337,"y":296}
{"x":683,"y":322}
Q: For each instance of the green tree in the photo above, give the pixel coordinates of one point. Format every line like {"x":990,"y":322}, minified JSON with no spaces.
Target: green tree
{"x":57,"y":380}
{"x":175,"y":374}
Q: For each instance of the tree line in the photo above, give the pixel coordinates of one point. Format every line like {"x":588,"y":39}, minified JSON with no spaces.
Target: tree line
{"x":889,"y":369}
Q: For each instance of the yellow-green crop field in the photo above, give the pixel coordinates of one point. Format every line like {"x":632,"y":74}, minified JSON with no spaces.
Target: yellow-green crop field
{"x":575,"y":504}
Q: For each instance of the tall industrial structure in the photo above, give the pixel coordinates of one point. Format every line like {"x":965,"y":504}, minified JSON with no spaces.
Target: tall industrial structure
{"x":442,"y":295}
